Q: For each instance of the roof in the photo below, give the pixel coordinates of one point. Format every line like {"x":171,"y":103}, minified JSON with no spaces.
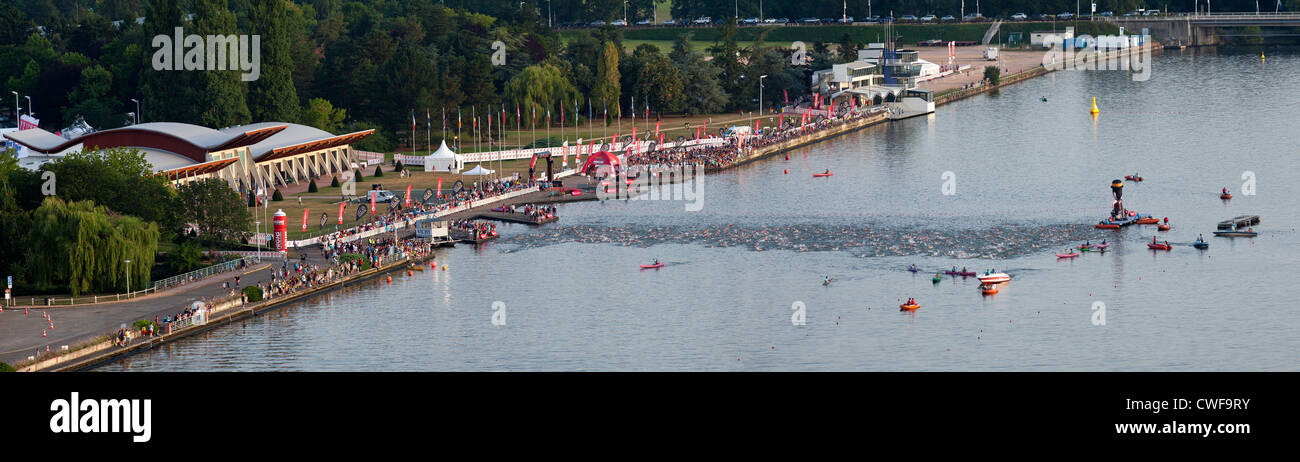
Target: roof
{"x":265,"y":140}
{"x":199,"y":169}
{"x":443,"y":152}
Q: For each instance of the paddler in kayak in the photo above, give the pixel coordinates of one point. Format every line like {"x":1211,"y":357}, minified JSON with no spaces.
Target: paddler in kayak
{"x":826,"y":281}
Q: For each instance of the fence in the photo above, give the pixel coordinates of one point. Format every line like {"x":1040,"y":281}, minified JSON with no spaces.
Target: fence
{"x":201,"y":273}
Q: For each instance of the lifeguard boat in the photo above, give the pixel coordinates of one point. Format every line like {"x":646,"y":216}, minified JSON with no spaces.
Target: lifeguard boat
{"x":994,"y":278}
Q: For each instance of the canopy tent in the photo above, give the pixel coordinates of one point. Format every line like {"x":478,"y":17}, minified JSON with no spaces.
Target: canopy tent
{"x":479,"y":171}
{"x":443,"y":160}
{"x":600,"y":161}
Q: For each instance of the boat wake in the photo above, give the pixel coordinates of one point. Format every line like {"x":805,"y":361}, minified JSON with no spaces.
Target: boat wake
{"x":993,"y":243}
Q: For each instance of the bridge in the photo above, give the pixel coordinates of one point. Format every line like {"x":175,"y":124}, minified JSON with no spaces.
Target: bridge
{"x":1203,"y":29}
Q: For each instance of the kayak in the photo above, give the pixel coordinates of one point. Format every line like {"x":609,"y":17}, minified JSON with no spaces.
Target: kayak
{"x":1163,"y":227}
{"x":1132,"y":178}
{"x":1148,"y":221}
{"x":995,"y":278}
{"x":960,"y":273}
{"x":821,"y":175}
{"x":1225,"y":196}
{"x":1067,"y":255}
{"x":1107,"y":226}
{"x":1085,"y":246}
{"x":906,"y":307}
{"x":1201,"y":245}
{"x":936,"y":279}
{"x":656,"y":265}
{"x":1160,"y":246}
{"x":1102,"y":246}
{"x":913,"y":269}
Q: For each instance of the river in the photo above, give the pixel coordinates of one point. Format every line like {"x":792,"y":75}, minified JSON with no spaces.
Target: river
{"x":1027,"y":178}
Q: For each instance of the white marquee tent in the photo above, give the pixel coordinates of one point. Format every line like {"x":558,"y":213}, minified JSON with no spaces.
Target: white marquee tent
{"x":479,"y":171}
{"x":443,"y":160}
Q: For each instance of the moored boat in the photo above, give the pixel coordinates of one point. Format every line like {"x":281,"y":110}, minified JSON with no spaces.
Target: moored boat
{"x":994,"y":278}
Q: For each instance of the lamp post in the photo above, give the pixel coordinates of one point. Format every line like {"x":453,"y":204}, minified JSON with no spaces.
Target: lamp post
{"x":624,"y":12}
{"x":257,"y":237}
{"x":30,"y":112}
{"x":128,"y":278}
{"x":137,"y":110}
{"x":760,"y":94}
{"x":17,"y":109}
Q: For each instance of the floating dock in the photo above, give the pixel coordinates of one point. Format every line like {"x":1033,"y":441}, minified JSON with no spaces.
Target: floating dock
{"x":516,"y":217}
{"x":1241,"y":221}
{"x":471,"y":238}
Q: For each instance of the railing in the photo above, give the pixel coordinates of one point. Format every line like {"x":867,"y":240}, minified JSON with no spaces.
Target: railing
{"x":200,"y":273}
{"x":83,"y":300}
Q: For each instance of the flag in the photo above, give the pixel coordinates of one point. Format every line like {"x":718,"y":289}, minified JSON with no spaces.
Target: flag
{"x":444,"y":118}
{"x":458,"y":124}
{"x":439,"y":189}
{"x":304,"y":219}
{"x":787,"y":95}
{"x":428,"y":120}
{"x":589,"y":113}
{"x":412,"y":121}
{"x":372,"y":202}
{"x":561,"y":114}
{"x":548,"y":114}
{"x":657,"y":128}
{"x":408,"y":196}
{"x":604,"y":108}
{"x":341,"y":206}
{"x":519,"y":117}
{"x":534,"y":114}
{"x":756,"y":126}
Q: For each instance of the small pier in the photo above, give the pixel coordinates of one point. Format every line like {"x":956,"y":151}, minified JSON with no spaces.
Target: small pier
{"x":470,"y":238}
{"x":1241,"y":222}
{"x":516,"y":217}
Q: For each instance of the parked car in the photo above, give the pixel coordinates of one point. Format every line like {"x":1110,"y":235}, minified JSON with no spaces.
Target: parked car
{"x":749,"y":21}
{"x":846,"y":20}
{"x":381,"y":196}
{"x":810,"y":21}
{"x":948,"y":18}
{"x":1151,"y":13}
{"x":644,"y":22}
{"x":618,"y":22}
{"x":928,"y":18}
{"x":669,"y":22}
{"x":972,"y":17}
{"x":1019,"y":17}
{"x":1045,"y":17}
{"x":597,"y":23}
{"x":886,"y":19}
{"x":703,"y":20}
{"x":907,"y":17}
{"x":1065,"y":15}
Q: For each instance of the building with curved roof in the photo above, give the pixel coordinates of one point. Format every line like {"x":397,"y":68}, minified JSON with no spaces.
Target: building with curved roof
{"x":252,"y":158}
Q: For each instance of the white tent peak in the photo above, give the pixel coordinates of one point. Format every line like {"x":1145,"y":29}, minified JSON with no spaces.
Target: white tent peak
{"x":443,"y":151}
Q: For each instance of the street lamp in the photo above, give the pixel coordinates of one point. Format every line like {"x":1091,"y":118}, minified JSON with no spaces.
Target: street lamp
{"x":760,"y":94}
{"x":624,"y":12}
{"x":30,"y":112}
{"x":258,"y":238}
{"x":128,"y":278}
{"x":137,"y":110}
{"x":17,"y":109}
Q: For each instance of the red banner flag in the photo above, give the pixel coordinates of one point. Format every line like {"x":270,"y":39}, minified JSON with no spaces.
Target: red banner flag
{"x":341,"y":206}
{"x":787,"y":95}
{"x":440,"y":187}
{"x":372,"y":202}
{"x":756,"y":126}
{"x":304,"y":219}
{"x":657,"y":122}
{"x":408,"y":196}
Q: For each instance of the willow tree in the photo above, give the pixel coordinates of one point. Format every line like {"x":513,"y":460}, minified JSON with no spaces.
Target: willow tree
{"x":85,"y":247}
{"x":543,"y":85}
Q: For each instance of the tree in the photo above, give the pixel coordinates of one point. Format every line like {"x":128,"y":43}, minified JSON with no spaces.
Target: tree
{"x":606,"y":88}
{"x":653,"y":79}
{"x":541,"y":85}
{"x":272,"y":96}
{"x":992,"y":74}
{"x":726,"y":56}
{"x":216,"y":210}
{"x":221,"y":101}
{"x":848,"y":50}
{"x":161,"y":86}
{"x":311,"y":187}
{"x":187,"y":257}
{"x":701,"y":92}
{"x":83,"y":246}
{"x":91,"y":99}
{"x":119,"y":179}
{"x":321,"y":114}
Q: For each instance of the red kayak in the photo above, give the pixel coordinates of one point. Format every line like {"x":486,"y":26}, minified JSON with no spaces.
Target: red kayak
{"x":1132,"y":178}
{"x":1225,"y":196}
{"x":1067,"y":255}
{"x":822,"y":175}
{"x":656,"y":265}
{"x":1160,"y":246}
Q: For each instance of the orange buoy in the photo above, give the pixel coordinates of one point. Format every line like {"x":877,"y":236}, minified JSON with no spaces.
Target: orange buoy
{"x":409,"y":272}
{"x":787,"y":172}
{"x":390,"y":279}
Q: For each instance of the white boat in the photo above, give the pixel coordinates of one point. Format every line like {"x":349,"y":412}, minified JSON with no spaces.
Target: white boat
{"x":912,"y":103}
{"x":994,"y":278}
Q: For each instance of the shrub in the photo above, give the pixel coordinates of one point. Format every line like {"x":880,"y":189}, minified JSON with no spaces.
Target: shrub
{"x":378,"y":171}
{"x":992,"y":74}
{"x":276,"y":197}
{"x":334,"y":182}
{"x":254,"y":293}
{"x":5,"y":367}
{"x":311,"y":187}
{"x":397,"y":166}
{"x":356,"y":174}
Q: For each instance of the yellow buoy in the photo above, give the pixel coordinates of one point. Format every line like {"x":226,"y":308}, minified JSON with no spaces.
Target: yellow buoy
{"x":444,"y":267}
{"x":1094,"y":106}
